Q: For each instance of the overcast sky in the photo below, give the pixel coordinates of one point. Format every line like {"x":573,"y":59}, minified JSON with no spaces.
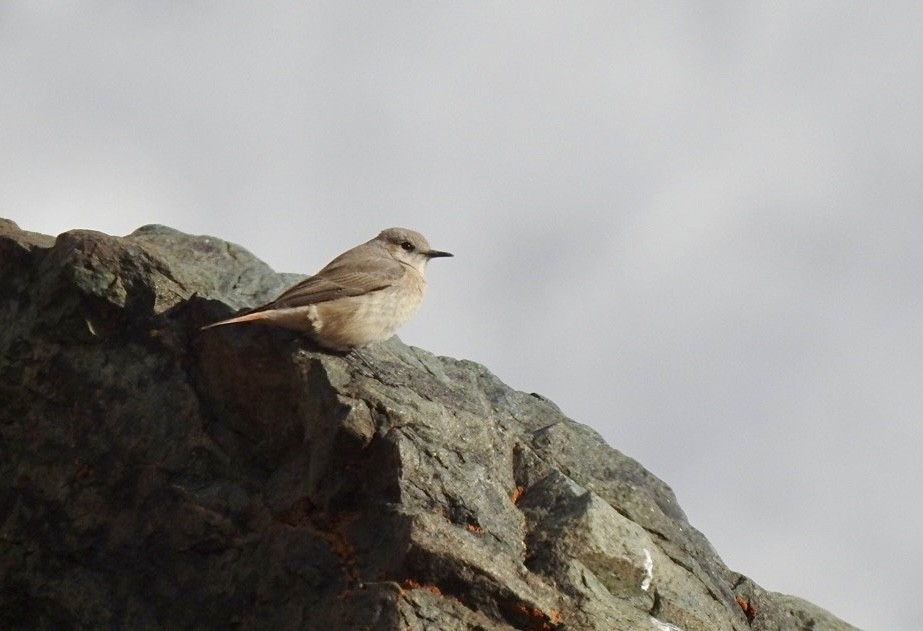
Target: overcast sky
{"x":697,"y":227}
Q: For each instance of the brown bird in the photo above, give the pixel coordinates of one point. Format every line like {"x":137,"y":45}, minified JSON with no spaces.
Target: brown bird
{"x":361,"y":297}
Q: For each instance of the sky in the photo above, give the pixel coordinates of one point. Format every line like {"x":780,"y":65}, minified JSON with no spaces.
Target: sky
{"x":696,"y":227}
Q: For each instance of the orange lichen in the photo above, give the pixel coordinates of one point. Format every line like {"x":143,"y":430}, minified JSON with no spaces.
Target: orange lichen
{"x":517,"y":493}
{"x":409,"y":584}
{"x":530,"y":617}
{"x":748,"y":608}
{"x":330,"y":527}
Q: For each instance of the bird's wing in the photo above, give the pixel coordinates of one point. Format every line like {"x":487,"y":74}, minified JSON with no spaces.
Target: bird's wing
{"x":338,"y":280}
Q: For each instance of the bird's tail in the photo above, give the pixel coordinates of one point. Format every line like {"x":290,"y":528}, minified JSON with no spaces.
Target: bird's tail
{"x":247,"y":317}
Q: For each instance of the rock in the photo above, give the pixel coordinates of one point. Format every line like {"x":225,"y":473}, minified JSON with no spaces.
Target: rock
{"x":161,"y":477}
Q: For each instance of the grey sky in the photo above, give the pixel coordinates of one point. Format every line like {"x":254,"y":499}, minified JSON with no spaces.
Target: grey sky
{"x":696,"y":227}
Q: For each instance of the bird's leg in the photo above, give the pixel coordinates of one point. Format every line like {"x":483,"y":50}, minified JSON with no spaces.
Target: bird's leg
{"x":359,"y":355}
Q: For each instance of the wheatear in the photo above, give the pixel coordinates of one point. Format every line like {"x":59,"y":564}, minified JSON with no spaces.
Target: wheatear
{"x":360,"y":297}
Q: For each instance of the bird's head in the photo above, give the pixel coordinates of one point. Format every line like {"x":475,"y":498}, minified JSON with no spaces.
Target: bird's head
{"x":408,"y":247}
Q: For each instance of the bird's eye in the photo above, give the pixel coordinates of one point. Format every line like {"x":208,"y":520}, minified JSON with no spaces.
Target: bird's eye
{"x":407,"y":245}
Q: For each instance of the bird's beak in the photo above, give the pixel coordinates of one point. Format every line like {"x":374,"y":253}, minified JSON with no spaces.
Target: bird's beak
{"x":434,"y":254}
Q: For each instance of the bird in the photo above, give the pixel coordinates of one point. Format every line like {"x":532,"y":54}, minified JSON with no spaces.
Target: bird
{"x":361,"y":297}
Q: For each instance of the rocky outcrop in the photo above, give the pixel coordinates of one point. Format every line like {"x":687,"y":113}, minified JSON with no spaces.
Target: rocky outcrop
{"x":160,"y":477}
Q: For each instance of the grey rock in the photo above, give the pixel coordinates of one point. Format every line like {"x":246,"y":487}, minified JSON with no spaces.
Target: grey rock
{"x":159,"y":477}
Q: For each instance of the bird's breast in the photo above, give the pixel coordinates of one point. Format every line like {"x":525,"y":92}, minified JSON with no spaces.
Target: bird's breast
{"x":362,"y":320}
